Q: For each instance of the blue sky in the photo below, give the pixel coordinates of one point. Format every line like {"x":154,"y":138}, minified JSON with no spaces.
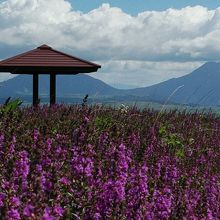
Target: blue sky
{"x":135,"y":6}
{"x":167,"y":40}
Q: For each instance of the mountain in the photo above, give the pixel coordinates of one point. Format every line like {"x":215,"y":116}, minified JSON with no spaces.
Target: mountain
{"x":67,"y":86}
{"x":201,"y":87}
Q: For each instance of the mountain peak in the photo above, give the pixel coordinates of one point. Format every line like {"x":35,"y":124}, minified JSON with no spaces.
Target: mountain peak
{"x":211,"y":64}
{"x":201,"y":87}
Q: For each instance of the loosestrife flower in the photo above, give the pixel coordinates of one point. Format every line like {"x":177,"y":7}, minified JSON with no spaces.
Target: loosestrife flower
{"x":64,"y":181}
{"x":2,"y":198}
{"x":58,"y":211}
{"x":49,"y":144}
{"x":21,"y":169}
{"x":28,"y":210}
{"x":82,"y":164}
{"x":15,"y":201}
{"x":162,"y":203}
{"x":11,"y":149}
{"x":45,"y":183}
{"x":2,"y":137}
{"x":137,"y":193}
{"x":47,"y":215}
{"x":122,"y":169}
{"x":97,"y":216}
{"x":192,"y":198}
{"x":36,"y":137}
{"x":86,"y":119}
{"x":39,"y":168}
{"x":13,"y":214}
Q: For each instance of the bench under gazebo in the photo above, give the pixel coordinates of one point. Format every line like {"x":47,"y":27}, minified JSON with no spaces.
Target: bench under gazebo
{"x":46,"y":60}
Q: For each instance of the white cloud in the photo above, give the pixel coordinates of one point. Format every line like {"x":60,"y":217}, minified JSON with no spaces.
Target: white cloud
{"x":116,"y":39}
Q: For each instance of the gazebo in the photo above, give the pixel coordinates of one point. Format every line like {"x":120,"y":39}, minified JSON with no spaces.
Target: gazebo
{"x":46,"y":60}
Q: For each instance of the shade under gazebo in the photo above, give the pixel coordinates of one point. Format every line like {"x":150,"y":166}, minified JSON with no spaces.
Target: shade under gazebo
{"x":46,"y":60}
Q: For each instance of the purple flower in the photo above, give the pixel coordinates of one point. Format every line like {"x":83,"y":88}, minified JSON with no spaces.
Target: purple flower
{"x":47,"y":215}
{"x":11,"y":149}
{"x":49,"y":144}
{"x":210,"y":215}
{"x":97,"y":216}
{"x":137,"y":192}
{"x":13,"y":214}
{"x":22,"y":164}
{"x":2,"y":138}
{"x":81,"y":163}
{"x":158,"y":169}
{"x":2,"y":199}
{"x":28,"y":210}
{"x":58,"y":150}
{"x":15,"y":201}
{"x":162,"y":203}
{"x":36,"y":135}
{"x":46,"y":161}
{"x":1,"y":143}
{"x":39,"y":168}
{"x":21,"y":169}
{"x":88,"y":167}
{"x":58,"y":211}
{"x":45,"y":181}
{"x":65,"y":181}
{"x":86,"y":119}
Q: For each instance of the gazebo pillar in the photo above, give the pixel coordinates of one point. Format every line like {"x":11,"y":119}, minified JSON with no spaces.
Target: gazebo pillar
{"x":52,"y":89}
{"x":35,"y":90}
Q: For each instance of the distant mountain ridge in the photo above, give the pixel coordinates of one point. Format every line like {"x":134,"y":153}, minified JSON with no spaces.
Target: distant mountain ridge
{"x":66,"y":85}
{"x":201,"y":87}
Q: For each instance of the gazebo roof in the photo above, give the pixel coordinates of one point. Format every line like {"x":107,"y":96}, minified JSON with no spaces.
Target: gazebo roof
{"x":46,"y":60}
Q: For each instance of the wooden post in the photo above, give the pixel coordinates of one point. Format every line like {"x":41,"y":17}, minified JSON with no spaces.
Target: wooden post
{"x":35,"y":89}
{"x":52,"y":89}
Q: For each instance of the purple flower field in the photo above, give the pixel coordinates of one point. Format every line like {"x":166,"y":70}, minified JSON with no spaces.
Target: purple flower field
{"x":72,"y":162}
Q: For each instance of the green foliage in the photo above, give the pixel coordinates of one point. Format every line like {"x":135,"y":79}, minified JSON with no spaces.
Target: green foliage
{"x":163,"y":131}
{"x":180,"y":153}
{"x":10,"y":105}
{"x":173,"y":141}
{"x":103,"y":122}
{"x":54,"y":130}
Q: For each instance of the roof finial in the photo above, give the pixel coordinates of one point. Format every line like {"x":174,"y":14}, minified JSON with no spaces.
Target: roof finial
{"x":44,"y":47}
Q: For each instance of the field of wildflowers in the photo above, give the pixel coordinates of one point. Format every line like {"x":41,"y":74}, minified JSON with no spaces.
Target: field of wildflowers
{"x":74,"y":162}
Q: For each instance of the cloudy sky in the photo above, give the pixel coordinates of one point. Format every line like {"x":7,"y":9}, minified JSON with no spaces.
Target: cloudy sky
{"x":138,"y":43}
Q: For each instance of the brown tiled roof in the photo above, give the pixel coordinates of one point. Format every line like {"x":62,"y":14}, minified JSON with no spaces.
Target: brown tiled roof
{"x":45,"y":59}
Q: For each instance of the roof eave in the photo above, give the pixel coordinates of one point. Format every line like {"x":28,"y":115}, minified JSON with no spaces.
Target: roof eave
{"x":48,"y":70}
